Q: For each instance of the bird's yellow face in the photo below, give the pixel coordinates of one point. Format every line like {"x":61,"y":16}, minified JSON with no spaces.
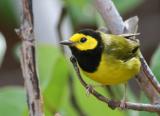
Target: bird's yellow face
{"x":83,"y":42}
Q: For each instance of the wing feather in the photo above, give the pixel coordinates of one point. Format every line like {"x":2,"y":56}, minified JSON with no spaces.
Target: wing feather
{"x":120,"y":47}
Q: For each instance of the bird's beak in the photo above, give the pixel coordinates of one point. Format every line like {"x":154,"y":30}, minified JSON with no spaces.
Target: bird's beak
{"x":66,"y":42}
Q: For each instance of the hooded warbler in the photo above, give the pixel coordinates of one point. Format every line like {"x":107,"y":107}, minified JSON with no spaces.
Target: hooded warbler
{"x":105,"y":58}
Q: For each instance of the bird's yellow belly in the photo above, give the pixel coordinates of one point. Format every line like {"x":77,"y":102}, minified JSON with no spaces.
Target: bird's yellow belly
{"x":112,"y":71}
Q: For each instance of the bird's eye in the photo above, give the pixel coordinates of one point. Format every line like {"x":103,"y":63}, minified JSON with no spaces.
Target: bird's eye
{"x":83,"y":39}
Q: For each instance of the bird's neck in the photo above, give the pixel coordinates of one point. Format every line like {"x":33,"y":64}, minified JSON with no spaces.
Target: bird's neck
{"x":88,"y":60}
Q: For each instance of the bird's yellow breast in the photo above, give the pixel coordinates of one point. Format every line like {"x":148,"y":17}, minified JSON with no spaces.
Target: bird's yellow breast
{"x":112,"y":71}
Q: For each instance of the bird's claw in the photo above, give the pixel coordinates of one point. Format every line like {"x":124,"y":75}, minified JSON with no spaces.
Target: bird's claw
{"x":89,"y":89}
{"x":123,"y":104}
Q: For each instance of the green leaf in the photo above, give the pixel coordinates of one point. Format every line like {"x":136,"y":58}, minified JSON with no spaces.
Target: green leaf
{"x":84,"y":12}
{"x":89,"y":104}
{"x":47,"y":55}
{"x":66,"y":108}
{"x":13,"y":101}
{"x":53,"y":74}
{"x":81,"y":11}
{"x":124,"y":6}
{"x":8,"y":13}
{"x":155,"y":63}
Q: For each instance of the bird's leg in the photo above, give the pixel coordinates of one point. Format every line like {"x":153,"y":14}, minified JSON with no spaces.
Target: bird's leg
{"x":122,"y":104}
{"x":89,"y":89}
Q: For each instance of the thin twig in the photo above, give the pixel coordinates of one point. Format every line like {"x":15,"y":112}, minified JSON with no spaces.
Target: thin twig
{"x":73,"y":98}
{"x":28,"y":63}
{"x":109,"y":13}
{"x":150,"y":74}
{"x":112,"y":103}
{"x":59,"y":25}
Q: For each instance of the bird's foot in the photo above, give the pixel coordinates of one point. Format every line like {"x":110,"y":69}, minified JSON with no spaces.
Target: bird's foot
{"x":123,"y":104}
{"x":123,"y":101}
{"x":89,"y":89}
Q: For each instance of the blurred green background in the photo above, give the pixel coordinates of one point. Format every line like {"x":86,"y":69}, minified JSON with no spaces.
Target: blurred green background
{"x":61,"y":90}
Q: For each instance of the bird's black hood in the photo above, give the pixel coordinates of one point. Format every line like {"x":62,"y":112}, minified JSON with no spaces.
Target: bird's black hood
{"x":89,"y":60}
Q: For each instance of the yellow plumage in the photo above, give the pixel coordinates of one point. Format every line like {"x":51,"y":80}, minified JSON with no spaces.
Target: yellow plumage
{"x":112,"y":71}
{"x":105,"y":58}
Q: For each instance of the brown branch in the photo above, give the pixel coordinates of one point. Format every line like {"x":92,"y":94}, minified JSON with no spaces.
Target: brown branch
{"x":73,"y":98}
{"x":28,"y":63}
{"x":145,"y":85}
{"x":150,"y":74}
{"x":109,"y":13}
{"x":111,"y":103}
{"x":59,"y":24}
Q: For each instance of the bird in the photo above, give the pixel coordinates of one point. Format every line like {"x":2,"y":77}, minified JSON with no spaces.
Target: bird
{"x":106,"y":58}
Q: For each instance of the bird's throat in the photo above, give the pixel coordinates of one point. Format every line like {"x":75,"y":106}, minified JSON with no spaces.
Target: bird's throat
{"x":88,"y":60}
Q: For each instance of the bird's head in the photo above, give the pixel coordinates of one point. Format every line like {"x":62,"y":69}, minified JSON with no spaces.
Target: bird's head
{"x":84,"y":40}
{"x":87,"y":46}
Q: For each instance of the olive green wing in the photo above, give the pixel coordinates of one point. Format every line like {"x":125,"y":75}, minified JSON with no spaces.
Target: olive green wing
{"x":120,"y":47}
